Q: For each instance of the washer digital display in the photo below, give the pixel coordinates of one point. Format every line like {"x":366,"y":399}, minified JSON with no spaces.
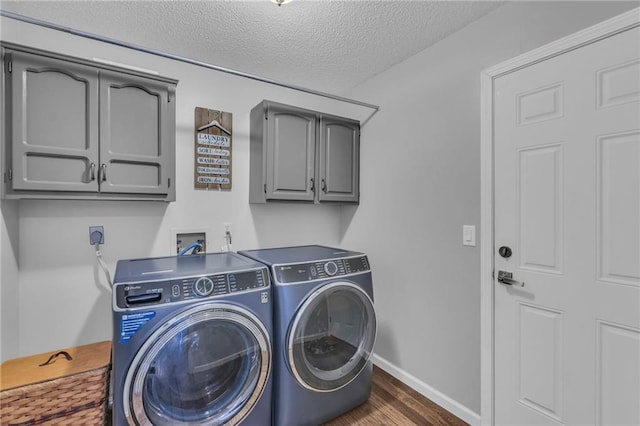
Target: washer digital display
{"x":246,"y":280}
{"x":294,"y":273}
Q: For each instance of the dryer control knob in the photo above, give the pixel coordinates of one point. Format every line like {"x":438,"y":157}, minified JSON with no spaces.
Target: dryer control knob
{"x":331,"y":268}
{"x":203,"y":286}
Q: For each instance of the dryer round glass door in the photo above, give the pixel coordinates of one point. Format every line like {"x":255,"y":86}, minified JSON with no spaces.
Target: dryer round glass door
{"x":207,"y":365}
{"x":332,"y":337}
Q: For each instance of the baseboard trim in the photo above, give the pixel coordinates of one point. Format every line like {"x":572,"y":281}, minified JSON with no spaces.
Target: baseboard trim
{"x":433,"y":394}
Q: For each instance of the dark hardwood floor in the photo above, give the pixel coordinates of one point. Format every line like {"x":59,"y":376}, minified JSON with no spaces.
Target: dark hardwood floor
{"x":394,"y":403}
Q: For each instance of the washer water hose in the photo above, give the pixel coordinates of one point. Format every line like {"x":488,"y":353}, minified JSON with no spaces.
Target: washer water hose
{"x":193,"y":248}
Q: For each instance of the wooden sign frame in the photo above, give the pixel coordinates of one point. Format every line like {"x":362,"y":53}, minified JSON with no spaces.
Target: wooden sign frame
{"x":212,"y":161}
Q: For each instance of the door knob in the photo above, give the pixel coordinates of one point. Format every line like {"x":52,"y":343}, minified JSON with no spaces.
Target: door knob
{"x":506,"y":277}
{"x":505,"y":252}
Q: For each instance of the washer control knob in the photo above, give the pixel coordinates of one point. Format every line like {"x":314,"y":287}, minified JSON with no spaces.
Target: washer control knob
{"x":331,"y":268}
{"x":203,"y":286}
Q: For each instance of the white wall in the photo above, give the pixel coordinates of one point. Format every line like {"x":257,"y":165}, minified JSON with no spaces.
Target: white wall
{"x":54,"y":297}
{"x":421,"y":182}
{"x":9,"y":279}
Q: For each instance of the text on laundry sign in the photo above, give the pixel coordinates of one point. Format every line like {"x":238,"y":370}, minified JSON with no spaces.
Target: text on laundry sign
{"x":213,"y":151}
{"x":213,"y":170}
{"x":214,"y":140}
{"x":213,"y":161}
{"x":215,"y":180}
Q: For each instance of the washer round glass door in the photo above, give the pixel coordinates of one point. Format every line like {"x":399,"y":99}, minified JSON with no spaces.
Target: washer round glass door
{"x":207,"y":365}
{"x":331,"y":338}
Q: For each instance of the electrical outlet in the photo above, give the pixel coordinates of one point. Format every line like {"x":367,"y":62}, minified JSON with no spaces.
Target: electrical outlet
{"x":186,"y":239}
{"x":96,"y":235}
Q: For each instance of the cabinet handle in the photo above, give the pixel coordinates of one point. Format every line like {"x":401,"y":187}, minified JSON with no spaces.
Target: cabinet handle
{"x":324,"y":186}
{"x":103,"y":172}
{"x":92,"y":171}
{"x":313,"y":186}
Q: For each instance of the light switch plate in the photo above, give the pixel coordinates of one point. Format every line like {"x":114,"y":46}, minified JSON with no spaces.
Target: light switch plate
{"x":469,"y":235}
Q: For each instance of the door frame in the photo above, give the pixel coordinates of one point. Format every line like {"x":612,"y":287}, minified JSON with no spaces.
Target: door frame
{"x":566,"y":44}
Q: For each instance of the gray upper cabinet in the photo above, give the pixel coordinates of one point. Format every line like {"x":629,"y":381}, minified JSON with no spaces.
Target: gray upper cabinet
{"x":302,"y":155}
{"x":78,"y":129}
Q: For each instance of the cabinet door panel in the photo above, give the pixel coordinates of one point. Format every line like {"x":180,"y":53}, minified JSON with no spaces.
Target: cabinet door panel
{"x":339,"y":160}
{"x":290,"y":170}
{"x":54,"y":124}
{"x":135,"y":145}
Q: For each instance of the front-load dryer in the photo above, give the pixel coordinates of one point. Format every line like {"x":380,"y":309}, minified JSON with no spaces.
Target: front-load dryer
{"x":324,"y":331}
{"x":192,"y":341}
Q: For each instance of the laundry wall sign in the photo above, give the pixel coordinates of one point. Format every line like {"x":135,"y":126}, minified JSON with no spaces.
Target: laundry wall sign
{"x":213,"y":149}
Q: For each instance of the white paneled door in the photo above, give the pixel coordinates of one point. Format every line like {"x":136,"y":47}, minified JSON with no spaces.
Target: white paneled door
{"x":567,"y":226}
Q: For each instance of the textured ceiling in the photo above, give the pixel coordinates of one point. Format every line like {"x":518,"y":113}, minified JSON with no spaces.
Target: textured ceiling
{"x":325,"y":45}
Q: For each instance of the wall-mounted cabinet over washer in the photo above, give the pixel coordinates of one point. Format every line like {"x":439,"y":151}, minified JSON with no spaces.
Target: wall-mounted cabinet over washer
{"x":303,"y":155}
{"x":79,"y":129}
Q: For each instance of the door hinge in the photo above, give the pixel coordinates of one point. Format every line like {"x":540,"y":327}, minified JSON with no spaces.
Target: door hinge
{"x":10,"y":174}
{"x":10,"y":66}
{"x":265,"y":188}
{"x":168,"y":182}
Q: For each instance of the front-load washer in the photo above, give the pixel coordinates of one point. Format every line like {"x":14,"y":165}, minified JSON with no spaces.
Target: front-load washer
{"x":192,"y":341}
{"x":324,"y":331}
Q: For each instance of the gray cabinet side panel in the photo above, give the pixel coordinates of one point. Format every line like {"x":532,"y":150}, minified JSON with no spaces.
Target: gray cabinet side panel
{"x":257,"y":166}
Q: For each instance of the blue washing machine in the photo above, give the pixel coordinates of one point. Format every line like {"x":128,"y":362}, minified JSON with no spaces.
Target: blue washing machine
{"x":192,"y":341}
{"x":324,"y":331}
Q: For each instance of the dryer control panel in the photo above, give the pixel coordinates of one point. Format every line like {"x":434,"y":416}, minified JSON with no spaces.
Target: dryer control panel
{"x":300,"y":272}
{"x":132,"y":295}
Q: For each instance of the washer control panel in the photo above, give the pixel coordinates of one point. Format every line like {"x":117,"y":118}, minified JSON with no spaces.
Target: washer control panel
{"x":317,"y":270}
{"x":189,"y":288}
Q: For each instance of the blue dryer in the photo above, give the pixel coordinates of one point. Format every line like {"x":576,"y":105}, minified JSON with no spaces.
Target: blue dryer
{"x":324,"y":331}
{"x":192,"y":341}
